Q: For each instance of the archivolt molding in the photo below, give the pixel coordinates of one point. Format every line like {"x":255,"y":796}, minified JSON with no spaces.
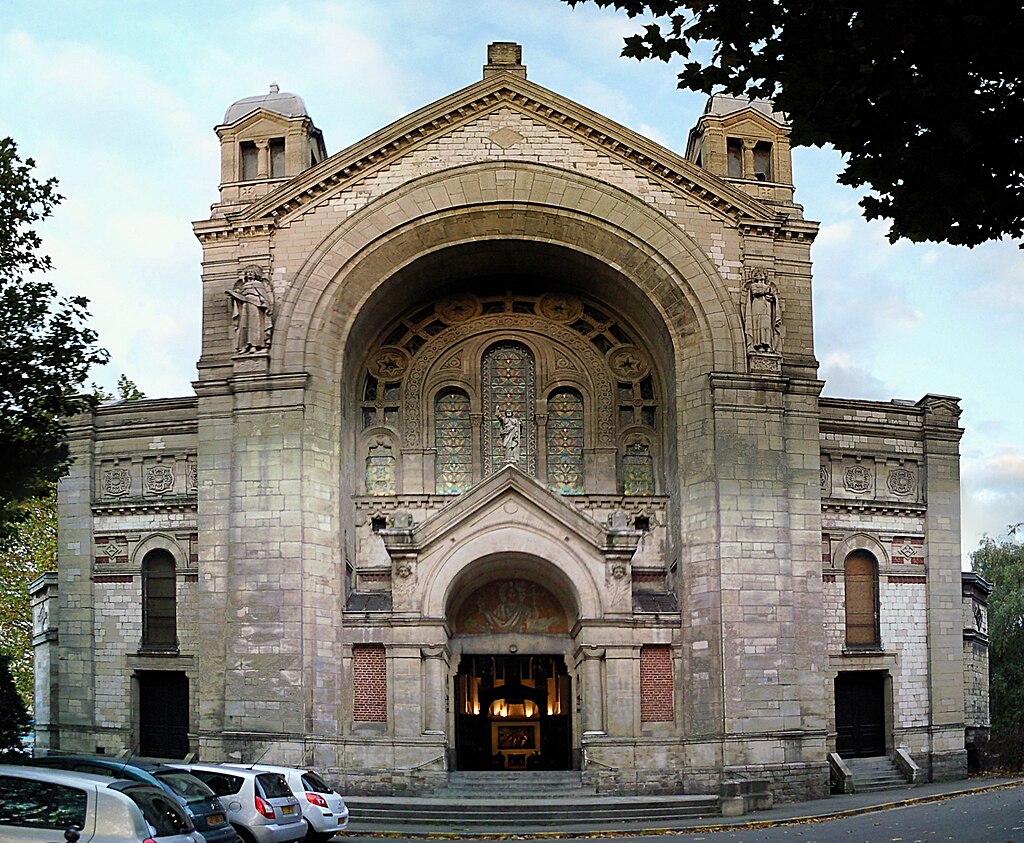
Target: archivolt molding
{"x":340,"y":276}
{"x":859,"y":541}
{"x":160,"y":541}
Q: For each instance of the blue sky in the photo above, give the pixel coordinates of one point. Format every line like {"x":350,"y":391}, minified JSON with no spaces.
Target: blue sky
{"x":119,"y":100}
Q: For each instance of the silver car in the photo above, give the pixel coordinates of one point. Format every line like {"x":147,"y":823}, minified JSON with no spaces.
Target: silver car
{"x":45,"y":806}
{"x":323,"y":808}
{"x":260,"y":805}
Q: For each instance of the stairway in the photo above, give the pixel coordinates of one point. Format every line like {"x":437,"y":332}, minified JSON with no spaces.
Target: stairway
{"x":528,"y":801}
{"x":879,"y":773}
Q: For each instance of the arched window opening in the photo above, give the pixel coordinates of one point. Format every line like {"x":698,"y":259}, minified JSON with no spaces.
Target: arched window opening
{"x":453,"y":439}
{"x":861,"y":578}
{"x":637,"y":469}
{"x":565,"y":442}
{"x":380,"y":470}
{"x":159,"y":601}
{"x":509,"y":399}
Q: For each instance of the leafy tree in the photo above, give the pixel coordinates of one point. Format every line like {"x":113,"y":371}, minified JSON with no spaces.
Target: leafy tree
{"x":28,"y":550}
{"x":46,"y":350}
{"x":1001,"y":562}
{"x":14,"y":720}
{"x":925,"y":98}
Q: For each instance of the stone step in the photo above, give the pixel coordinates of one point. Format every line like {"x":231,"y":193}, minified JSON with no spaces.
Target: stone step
{"x":551,"y":814}
{"x":874,"y":774}
{"x":516,"y":785}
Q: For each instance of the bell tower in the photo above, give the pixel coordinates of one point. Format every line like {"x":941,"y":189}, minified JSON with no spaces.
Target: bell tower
{"x":264,"y":141}
{"x":745,"y":142}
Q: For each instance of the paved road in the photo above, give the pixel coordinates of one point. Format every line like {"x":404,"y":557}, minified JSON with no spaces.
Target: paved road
{"x":995,"y":816}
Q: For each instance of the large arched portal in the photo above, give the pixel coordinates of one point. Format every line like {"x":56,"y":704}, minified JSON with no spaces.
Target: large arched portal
{"x":512,"y":683}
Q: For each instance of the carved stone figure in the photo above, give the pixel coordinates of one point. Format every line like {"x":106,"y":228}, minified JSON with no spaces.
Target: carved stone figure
{"x":762,"y":312}
{"x":511,"y":428}
{"x":252,"y":311}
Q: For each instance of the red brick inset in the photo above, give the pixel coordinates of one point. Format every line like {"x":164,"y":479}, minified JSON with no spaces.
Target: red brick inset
{"x":369,"y":683}
{"x":656,"y":687}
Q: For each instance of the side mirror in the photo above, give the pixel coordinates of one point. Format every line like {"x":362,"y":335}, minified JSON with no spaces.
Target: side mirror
{"x":73,"y":834}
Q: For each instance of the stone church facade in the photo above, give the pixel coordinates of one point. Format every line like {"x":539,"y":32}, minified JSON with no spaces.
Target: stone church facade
{"x":507,"y":452}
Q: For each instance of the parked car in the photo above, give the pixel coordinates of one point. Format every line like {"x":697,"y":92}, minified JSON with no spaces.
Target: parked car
{"x":38,"y":805}
{"x":208,"y":815}
{"x":323,"y":809}
{"x":261,"y":806}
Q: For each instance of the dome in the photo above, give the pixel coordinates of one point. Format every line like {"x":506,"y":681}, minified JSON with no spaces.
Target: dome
{"x":290,"y":105}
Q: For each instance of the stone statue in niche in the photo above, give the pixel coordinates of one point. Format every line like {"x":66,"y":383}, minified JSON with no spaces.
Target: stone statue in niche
{"x":511,"y":429}
{"x":761,"y":309}
{"x":252,"y":311}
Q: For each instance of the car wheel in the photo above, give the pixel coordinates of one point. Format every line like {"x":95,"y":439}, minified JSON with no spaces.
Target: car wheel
{"x":317,"y":836}
{"x":244,"y":834}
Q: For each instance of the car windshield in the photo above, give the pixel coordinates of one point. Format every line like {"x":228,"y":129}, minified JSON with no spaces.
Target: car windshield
{"x":273,"y":785}
{"x":312,"y":782}
{"x":160,"y":812}
{"x":185,"y":785}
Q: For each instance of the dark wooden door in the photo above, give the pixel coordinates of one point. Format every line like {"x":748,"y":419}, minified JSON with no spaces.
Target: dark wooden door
{"x":163,"y":714}
{"x":860,"y":713}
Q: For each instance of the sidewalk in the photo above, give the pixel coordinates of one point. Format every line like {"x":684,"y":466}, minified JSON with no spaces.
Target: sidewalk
{"x":785,"y":814}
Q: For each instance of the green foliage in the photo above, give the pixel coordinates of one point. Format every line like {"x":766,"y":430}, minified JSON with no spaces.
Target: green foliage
{"x":46,"y":351}
{"x":14,"y":720}
{"x":28,"y":551}
{"x":1001,"y":562}
{"x":924,"y":99}
{"x":127,"y":390}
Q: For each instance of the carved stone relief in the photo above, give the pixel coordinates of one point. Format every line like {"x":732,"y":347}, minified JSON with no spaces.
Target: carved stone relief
{"x":901,"y":481}
{"x":826,"y":481}
{"x":858,"y":479}
{"x":117,"y":482}
{"x":761,"y":308}
{"x":158,"y":480}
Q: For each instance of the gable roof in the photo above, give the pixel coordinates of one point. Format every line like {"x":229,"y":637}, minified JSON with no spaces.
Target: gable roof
{"x":457,"y":109}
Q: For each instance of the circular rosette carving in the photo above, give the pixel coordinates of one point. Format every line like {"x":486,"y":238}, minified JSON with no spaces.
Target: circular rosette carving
{"x":628,"y":362}
{"x":559,"y":307}
{"x":460,"y":308}
{"x":388,"y":363}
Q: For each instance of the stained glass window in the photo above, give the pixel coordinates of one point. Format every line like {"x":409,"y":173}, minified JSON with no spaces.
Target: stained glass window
{"x":453,"y":438}
{"x":565,"y":442}
{"x":509,"y":401}
{"x":637,"y":470}
{"x":380,"y":470}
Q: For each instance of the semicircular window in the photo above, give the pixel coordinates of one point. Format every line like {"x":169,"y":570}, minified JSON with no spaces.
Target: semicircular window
{"x":453,"y":439}
{"x":565,"y":442}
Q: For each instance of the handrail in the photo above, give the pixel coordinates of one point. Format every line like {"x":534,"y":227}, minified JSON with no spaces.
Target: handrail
{"x":442,"y":757}
{"x":588,"y":760}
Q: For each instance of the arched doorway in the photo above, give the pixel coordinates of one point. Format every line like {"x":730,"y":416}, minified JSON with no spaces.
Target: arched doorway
{"x":513,"y":692}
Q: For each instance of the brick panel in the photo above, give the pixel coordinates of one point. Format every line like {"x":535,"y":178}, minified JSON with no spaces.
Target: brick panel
{"x":369,"y":683}
{"x":656,"y":687}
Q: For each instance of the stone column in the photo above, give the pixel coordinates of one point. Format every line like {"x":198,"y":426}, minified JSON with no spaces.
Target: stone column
{"x":434,"y":660}
{"x":46,"y":659}
{"x":263,"y":159}
{"x":592,"y":679}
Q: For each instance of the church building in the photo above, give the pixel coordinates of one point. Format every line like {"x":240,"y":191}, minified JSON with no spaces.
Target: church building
{"x":507,"y":452}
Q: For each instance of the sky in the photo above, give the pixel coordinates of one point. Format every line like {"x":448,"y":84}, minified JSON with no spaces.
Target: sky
{"x":119,"y":100}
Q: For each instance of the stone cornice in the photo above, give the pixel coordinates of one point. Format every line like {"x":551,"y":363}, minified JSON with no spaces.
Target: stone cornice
{"x":386,"y":145}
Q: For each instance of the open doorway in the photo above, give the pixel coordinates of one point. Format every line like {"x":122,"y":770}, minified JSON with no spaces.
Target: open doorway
{"x":513,"y":713}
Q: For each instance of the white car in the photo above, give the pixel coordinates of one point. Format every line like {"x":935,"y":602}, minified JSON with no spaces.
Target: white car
{"x":43,"y":806}
{"x":260,"y":805}
{"x":323,"y":808}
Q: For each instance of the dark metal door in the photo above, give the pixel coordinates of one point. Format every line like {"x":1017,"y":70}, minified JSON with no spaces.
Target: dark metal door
{"x":163,"y":714}
{"x":860,"y":713}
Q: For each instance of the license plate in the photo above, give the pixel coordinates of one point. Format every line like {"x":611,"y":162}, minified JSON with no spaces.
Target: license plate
{"x":287,"y":809}
{"x":215,"y":819}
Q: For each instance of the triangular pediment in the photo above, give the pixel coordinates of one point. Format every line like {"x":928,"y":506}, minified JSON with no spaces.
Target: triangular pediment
{"x":509,"y":494}
{"x":535,"y":102}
